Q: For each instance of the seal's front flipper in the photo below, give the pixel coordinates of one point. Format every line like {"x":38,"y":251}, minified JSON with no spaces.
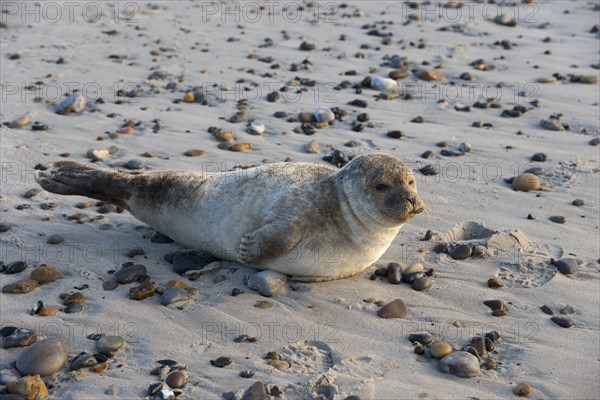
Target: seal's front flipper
{"x":267,"y":244}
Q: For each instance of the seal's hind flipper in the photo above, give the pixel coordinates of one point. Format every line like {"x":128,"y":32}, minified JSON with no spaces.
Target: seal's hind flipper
{"x":76,"y":179}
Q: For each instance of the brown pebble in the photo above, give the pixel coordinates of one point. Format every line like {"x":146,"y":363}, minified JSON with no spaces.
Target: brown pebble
{"x":46,"y":311}
{"x":495,"y":283}
{"x":176,"y":283}
{"x":490,"y":364}
{"x":440,"y":349}
{"x":21,"y":287}
{"x":224,"y":136}
{"x":430,"y":75}
{"x":395,"y":309}
{"x":189,"y":97}
{"x":494,"y":304}
{"x":176,"y":379}
{"x":522,"y":389}
{"x":100,"y":367}
{"x":194,"y":153}
{"x":44,"y":274}
{"x":30,"y":387}
{"x":74,"y":298}
{"x":526,"y":182}
{"x":240,"y":147}
{"x":143,"y":291}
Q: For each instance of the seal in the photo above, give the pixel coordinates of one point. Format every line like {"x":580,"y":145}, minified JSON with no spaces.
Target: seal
{"x":310,"y":221}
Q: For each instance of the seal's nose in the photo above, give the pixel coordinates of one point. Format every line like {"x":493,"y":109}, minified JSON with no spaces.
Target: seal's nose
{"x":417,"y":204}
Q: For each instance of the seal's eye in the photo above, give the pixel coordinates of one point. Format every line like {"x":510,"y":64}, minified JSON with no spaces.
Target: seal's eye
{"x":382,"y":187}
{"x":412,"y":182}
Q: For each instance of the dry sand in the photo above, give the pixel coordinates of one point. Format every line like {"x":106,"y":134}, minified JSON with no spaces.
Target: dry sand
{"x":333,"y":338}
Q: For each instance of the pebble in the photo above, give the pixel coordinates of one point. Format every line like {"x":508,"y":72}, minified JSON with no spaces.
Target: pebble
{"x":267,"y":282}
{"x":421,"y":283}
{"x":55,"y":239}
{"x":130,"y":274}
{"x":4,"y":228}
{"x":264,"y":304}
{"x":73,"y":298}
{"x":567,"y":266}
{"x":73,"y":308}
{"x":499,"y":313}
{"x":30,"y":387}
{"x":256,"y":128}
{"x":324,"y":114}
{"x":526,"y":182}
{"x":221,"y":362}
{"x":522,"y":389}
{"x":31,"y":193}
{"x":464,"y":147}
{"x":174,"y":295}
{"x":98,"y":154}
{"x":398,"y":74}
{"x":538,"y":157}
{"x":414,"y":269}
{"x":19,"y":122}
{"x":479,"y":251}
{"x":552,"y":124}
{"x":495,"y":283}
{"x":306,"y":117}
{"x":239,"y":147}
{"x":421,"y":337}
{"x":176,"y":379}
{"x":358,"y":103}
{"x":99,"y":368}
{"x":546,"y":310}
{"x":394,"y":273}
{"x":557,"y":219}
{"x":14,"y":267}
{"x":460,"y":252}
{"x":188,"y":260}
{"x":440,"y":349}
{"x":257,"y":391}
{"x":47,"y":311}
{"x":384,"y":84}
{"x":577,"y":202}
{"x":395,"y":134}
{"x":143,"y":291}
{"x":567,"y":310}
{"x":44,"y":274}
{"x":49,"y":206}
{"x":395,"y":309}
{"x":83,"y":360}
{"x":135,"y":252}
{"x":108,"y":345}
{"x":194,"y":153}
{"x":18,"y":338}
{"x":430,"y":75}
{"x":136,"y":163}
{"x":461,"y":364}
{"x":563,"y":322}
{"x":313,"y":147}
{"x":39,"y":126}
{"x":42,"y":358}
{"x":189,"y":97}
{"x":74,"y":103}
{"x":305,"y":46}
{"x":494,"y":304}
{"x":21,"y":287}
{"x":279,"y":364}
{"x":8,"y":375}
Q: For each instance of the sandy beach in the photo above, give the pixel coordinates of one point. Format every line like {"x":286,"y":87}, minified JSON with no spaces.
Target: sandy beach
{"x":469,"y":95}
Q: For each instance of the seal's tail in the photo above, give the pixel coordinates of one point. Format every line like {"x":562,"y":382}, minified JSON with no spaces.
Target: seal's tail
{"x":76,"y":179}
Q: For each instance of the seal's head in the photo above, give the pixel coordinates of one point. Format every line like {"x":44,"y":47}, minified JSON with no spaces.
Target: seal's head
{"x":381,"y":189}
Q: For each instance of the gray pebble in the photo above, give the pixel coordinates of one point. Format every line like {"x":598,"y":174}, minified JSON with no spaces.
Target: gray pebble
{"x":188,"y":260}
{"x":8,"y":375}
{"x":73,"y":308}
{"x":421,"y":337}
{"x":421,"y":283}
{"x":108,"y":345}
{"x":55,"y":239}
{"x":110,"y":285}
{"x":479,"y":251}
{"x":578,"y":202}
{"x":14,"y":267}
{"x":136,"y":163}
{"x":83,"y":360}
{"x":257,"y":391}
{"x":394,"y":273}
{"x":567,"y":266}
{"x":221,"y":362}
{"x":4,"y":228}
{"x":42,"y":358}
{"x":130,"y":274}
{"x":174,"y":295}
{"x":461,"y":364}
{"x":567,"y":310}
{"x":267,"y":282}
{"x":19,"y":338}
{"x":563,"y":322}
{"x":558,"y":219}
{"x":460,"y":252}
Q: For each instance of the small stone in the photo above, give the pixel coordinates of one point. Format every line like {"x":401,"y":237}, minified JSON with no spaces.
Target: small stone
{"x":99,"y":368}
{"x":194,"y":153}
{"x":490,"y":363}
{"x":461,"y":364}
{"x":273,"y":355}
{"x":395,"y":134}
{"x":55,"y":239}
{"x":460,"y":252}
{"x":546,"y":310}
{"x":239,"y":147}
{"x":421,"y":337}
{"x":143,"y":291}
{"x":538,"y":157}
{"x":188,"y":260}
{"x":189,"y":97}
{"x":499,"y":313}
{"x":176,"y":379}
{"x":135,"y":164}
{"x":8,"y":330}
{"x":358,"y":103}
{"x":306,"y":117}
{"x":29,"y":387}
{"x":224,"y":136}
{"x":236,"y":292}
{"x":257,"y":391}
{"x":494,"y":304}
{"x":42,"y":358}
{"x":264,"y":304}
{"x":83,"y":360}
{"x":74,"y":298}
{"x":414,"y":269}
{"x":247,"y":373}
{"x":108,"y":345}
{"x":135,"y":252}
{"x":305,"y":46}
{"x":98,"y":154}
{"x":73,"y":308}
{"x":21,"y":287}
{"x":8,"y":375}
{"x":44,"y":274}
{"x":14,"y":267}
{"x":256,"y":128}
{"x":479,"y":251}
{"x":430,"y":75}
{"x":155,"y":388}
{"x":268,"y":282}
{"x":526,"y":182}
{"x":324,"y":114}
{"x":567,"y":266}
{"x":110,"y":285}
{"x":174,"y":295}
{"x":130,"y":274}
{"x":221,"y":362}
{"x":384,"y":84}
{"x":421,"y":283}
{"x":578,"y":202}
{"x":394,"y":273}
{"x":31,"y":193}
{"x":563,"y":322}
{"x":398,"y":74}
{"x":19,"y":122}
{"x":557,"y":219}
{"x":567,"y":310}
{"x":440,"y":349}
{"x":47,"y":311}
{"x":395,"y":309}
{"x":552,"y":124}
{"x":495,"y":283}
{"x":4,"y":228}
{"x":313,"y":147}
{"x":522,"y":389}
{"x":18,"y":338}
{"x":279,"y":364}
{"x":74,"y":103}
